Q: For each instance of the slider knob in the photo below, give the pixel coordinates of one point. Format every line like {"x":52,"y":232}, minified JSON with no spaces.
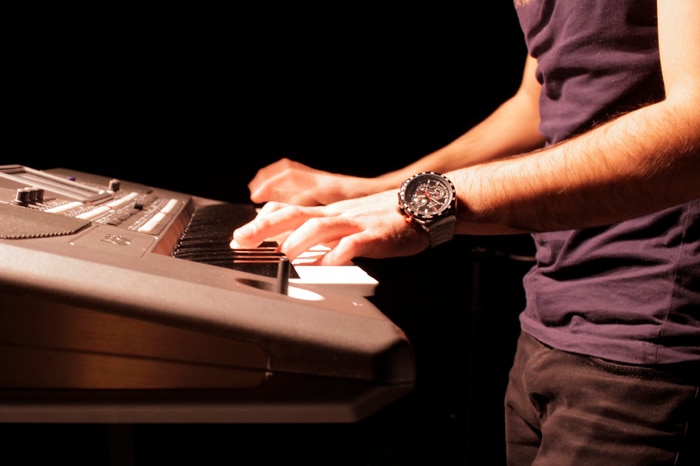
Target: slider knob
{"x":37,"y":195}
{"x":114,"y":185}
{"x":24,"y":195}
{"x":29,"y":195}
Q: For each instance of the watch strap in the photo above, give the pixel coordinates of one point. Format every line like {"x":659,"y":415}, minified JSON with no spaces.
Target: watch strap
{"x":441,"y":231}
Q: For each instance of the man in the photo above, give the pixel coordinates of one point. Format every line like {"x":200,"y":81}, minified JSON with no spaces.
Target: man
{"x":597,"y":155}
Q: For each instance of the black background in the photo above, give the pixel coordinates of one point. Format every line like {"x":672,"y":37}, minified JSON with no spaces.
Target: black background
{"x":197,"y":99}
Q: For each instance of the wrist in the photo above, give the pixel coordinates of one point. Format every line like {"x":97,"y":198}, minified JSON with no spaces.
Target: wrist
{"x":428,"y":199}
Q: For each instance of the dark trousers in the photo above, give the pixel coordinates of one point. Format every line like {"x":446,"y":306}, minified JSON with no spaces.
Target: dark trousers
{"x":564,"y":409}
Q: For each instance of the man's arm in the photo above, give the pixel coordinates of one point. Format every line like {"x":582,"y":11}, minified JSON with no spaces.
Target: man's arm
{"x":512,"y":128}
{"x":644,"y":161}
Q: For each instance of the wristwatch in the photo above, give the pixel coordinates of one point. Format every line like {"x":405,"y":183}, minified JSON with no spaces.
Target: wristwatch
{"x":428,"y":198}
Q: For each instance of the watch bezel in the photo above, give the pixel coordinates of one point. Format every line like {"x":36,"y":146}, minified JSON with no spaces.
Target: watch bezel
{"x":406,"y":207}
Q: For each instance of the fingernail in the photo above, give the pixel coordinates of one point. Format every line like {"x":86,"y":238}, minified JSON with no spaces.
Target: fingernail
{"x":241,"y":234}
{"x":246,"y":231}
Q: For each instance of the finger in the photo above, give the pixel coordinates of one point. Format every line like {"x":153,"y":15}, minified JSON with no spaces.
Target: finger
{"x":274,"y":219}
{"x":261,"y":187}
{"x":248,"y":235}
{"x":274,"y":168}
{"x":317,"y":230}
{"x":389,"y":238}
{"x":343,"y":252}
{"x":261,"y":175}
{"x":272,"y":206}
{"x":290,"y":182}
{"x":264,"y":190}
{"x":306,"y":197}
{"x":281,"y":187}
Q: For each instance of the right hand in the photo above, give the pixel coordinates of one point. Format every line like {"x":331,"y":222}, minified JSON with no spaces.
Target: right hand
{"x":369,"y":226}
{"x":293,"y":182}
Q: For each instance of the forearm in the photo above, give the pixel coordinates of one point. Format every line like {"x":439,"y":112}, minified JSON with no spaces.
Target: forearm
{"x":642,"y":162}
{"x":512,"y":128}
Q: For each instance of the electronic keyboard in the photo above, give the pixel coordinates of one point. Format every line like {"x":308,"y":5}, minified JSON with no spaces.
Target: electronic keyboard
{"x":122,"y":303}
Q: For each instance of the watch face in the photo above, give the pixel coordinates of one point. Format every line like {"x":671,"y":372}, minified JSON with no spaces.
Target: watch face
{"x":427,"y":196}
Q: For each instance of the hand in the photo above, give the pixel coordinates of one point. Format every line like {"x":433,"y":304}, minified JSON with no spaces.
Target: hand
{"x":295,"y":183}
{"x":370,"y":226}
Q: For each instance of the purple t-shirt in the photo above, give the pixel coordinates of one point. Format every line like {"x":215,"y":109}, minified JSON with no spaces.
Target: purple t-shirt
{"x":628,"y":292}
